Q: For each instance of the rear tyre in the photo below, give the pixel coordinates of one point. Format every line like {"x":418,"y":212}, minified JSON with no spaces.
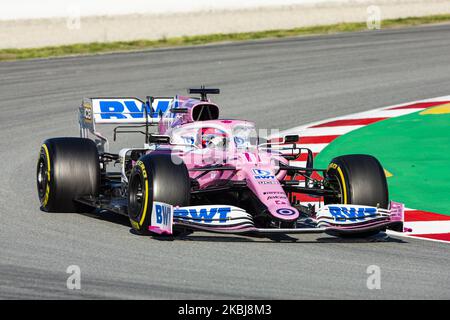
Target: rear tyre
{"x":359,"y":179}
{"x":156,"y":177}
{"x":67,"y":168}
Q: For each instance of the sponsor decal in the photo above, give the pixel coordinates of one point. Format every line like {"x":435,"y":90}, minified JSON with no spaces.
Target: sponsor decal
{"x":352,"y":213}
{"x":127,"y":109}
{"x":239,"y":141}
{"x":188,"y":139}
{"x":274,"y":192}
{"x":286,"y":211}
{"x":268,"y":182}
{"x":276,"y":197}
{"x":206,"y":215}
{"x":161,"y":219}
{"x":262,"y":174}
{"x":163,"y":213}
{"x":142,"y":166}
{"x":87,"y":112}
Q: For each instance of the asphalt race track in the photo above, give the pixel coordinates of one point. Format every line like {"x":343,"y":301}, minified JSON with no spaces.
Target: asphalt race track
{"x":279,"y":84}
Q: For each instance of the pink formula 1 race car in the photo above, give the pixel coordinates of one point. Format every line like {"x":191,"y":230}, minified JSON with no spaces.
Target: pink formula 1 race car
{"x":201,"y":172}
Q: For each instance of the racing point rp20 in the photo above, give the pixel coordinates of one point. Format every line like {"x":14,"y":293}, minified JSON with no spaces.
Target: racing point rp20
{"x":201,"y":172}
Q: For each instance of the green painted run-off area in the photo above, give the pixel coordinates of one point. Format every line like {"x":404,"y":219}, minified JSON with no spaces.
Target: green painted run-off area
{"x":414,"y":148}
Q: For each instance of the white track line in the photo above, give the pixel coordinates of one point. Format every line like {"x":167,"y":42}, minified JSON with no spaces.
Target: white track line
{"x":325,"y":131}
{"x":346,"y":129}
{"x":382,"y":114}
{"x":315,"y":147}
{"x":298,"y":163}
{"x":410,"y":236}
{"x":424,"y":227}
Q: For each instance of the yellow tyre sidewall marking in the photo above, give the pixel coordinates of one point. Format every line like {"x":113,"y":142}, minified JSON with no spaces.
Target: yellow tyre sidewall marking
{"x":344,"y":187}
{"x":332,"y":166}
{"x":47,"y":188}
{"x":341,"y":174}
{"x":135,"y":224}
{"x":144,"y":174}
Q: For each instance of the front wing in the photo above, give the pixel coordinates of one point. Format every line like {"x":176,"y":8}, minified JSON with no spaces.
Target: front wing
{"x":335,"y":219}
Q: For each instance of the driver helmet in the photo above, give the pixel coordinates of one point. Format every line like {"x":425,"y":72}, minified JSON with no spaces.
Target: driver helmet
{"x":212,"y":135}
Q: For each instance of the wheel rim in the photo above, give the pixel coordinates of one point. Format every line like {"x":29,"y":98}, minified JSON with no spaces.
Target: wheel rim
{"x":335,"y":184}
{"x":136,"y":195}
{"x":42,"y":177}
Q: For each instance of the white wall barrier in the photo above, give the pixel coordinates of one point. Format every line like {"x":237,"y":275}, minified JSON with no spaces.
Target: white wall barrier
{"x":32,"y":23}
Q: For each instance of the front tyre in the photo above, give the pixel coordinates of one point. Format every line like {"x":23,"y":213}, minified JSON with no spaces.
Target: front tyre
{"x":357,"y":179}
{"x":155,"y":177}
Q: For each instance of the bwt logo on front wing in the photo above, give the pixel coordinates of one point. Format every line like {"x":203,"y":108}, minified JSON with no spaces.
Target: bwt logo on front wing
{"x":163,"y":214}
{"x":352,"y":213}
{"x":262,"y":174}
{"x":206,"y":215}
{"x":127,"y":109}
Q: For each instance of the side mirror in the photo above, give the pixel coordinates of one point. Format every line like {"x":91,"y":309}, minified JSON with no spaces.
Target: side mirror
{"x":179,"y":110}
{"x":291,"y":138}
{"x":158,"y":139}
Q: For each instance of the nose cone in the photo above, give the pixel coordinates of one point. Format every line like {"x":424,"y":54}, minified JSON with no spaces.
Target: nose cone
{"x":263,"y":182}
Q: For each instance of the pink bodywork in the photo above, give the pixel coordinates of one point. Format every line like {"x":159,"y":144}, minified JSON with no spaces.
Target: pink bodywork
{"x":254,"y":165}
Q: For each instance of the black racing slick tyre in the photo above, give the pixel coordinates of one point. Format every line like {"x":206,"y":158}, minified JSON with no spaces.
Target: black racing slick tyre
{"x":156,"y":177}
{"x":358,"y":179}
{"x":67,"y":168}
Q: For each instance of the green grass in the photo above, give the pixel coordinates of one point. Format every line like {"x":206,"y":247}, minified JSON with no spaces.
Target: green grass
{"x":118,"y":46}
{"x":414,"y":148}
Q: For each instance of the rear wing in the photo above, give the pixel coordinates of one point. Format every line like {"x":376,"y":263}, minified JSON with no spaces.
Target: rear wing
{"x":129,"y":111}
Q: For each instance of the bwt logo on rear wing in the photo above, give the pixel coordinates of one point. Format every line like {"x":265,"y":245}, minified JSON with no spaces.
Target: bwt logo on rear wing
{"x":124,"y":110}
